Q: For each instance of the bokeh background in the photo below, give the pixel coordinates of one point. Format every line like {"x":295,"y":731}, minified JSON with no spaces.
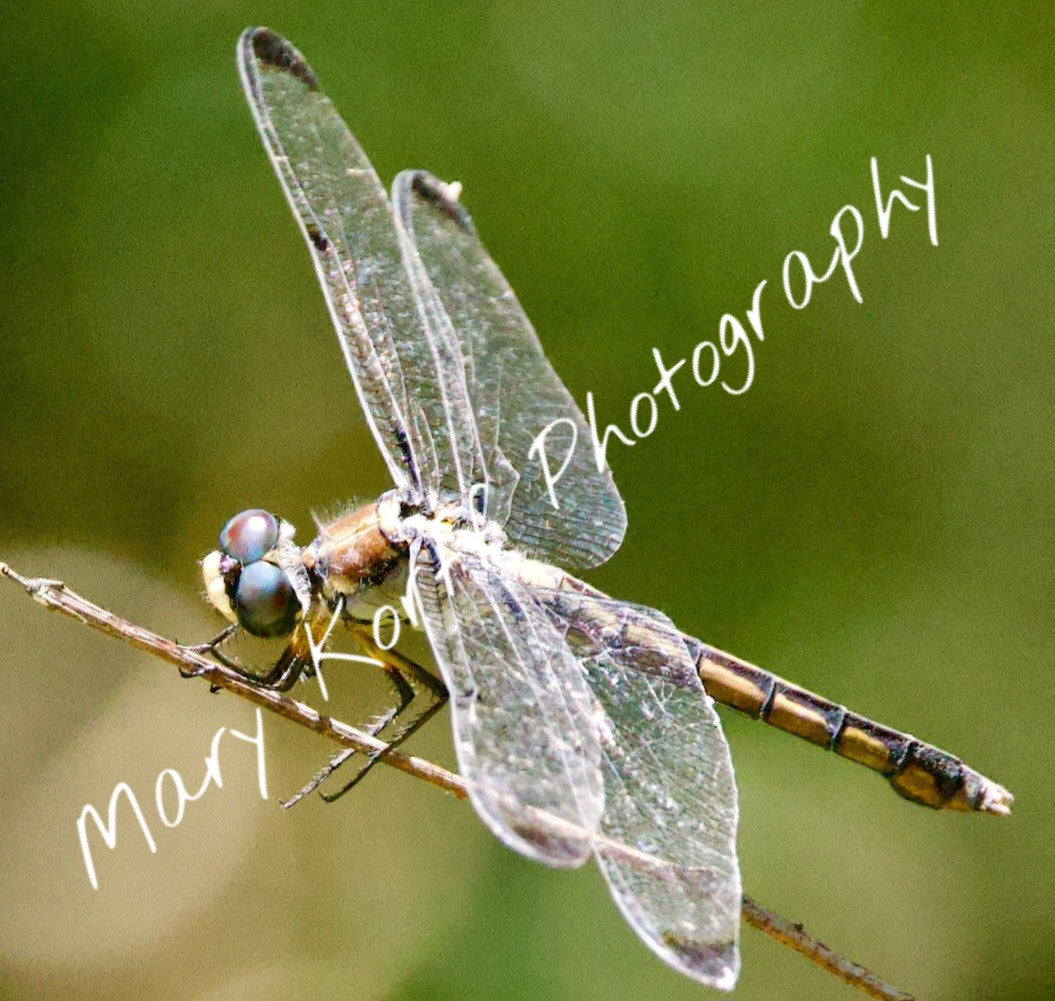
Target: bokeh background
{"x":872,"y":519}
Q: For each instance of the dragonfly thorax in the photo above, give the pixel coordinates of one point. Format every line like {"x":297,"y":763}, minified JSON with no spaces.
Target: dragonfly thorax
{"x":355,"y":551}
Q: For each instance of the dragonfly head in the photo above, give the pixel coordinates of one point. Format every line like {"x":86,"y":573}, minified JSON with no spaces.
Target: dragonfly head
{"x":256,"y":578}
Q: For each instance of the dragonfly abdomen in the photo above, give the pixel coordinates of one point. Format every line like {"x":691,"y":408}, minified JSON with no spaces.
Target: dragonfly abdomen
{"x":918,"y":771}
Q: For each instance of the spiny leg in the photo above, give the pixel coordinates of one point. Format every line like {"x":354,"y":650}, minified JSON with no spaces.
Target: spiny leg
{"x":279,"y":678}
{"x":439,"y":695}
{"x":212,"y":648}
{"x":397,"y":738}
{"x":292,"y":662}
{"x":404,"y":697}
{"x":397,"y":667}
{"x":287,"y":670}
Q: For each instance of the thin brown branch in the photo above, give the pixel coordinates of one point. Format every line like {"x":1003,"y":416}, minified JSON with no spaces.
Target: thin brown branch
{"x":794,"y":936}
{"x":55,"y":596}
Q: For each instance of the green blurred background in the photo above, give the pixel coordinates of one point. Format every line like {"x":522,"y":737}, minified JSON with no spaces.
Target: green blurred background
{"x":872,"y":519}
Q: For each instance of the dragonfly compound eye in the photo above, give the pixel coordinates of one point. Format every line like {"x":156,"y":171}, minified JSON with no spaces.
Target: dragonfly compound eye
{"x":264,"y":600}
{"x":249,"y":536}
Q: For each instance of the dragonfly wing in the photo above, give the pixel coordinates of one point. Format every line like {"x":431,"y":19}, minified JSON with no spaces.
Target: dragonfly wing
{"x":523,"y":715}
{"x":408,"y":374}
{"x":514,"y":390}
{"x":669,"y":786}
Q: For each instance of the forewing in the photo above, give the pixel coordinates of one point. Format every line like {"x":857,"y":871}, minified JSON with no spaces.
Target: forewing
{"x":669,"y":786}
{"x":409,"y":376}
{"x":515,"y":392}
{"x":523,"y":715}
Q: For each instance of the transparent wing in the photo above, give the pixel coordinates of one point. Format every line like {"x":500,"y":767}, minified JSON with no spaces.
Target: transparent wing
{"x":523,"y":716}
{"x":514,"y":391}
{"x":669,"y":787}
{"x":408,"y":374}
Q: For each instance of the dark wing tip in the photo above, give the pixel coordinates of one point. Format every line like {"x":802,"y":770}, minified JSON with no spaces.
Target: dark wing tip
{"x":433,"y":190}
{"x":271,"y":49}
{"x":716,"y":964}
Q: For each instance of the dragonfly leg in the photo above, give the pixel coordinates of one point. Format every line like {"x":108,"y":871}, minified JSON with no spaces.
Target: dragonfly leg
{"x":439,"y":693}
{"x":404,"y":693}
{"x":211,"y":647}
{"x":409,"y":680}
{"x":293,"y":662}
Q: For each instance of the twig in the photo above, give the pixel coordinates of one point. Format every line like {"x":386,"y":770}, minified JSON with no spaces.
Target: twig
{"x":794,"y":936}
{"x":55,"y":596}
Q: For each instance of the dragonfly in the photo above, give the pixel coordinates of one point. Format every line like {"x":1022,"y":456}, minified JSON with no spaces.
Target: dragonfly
{"x":582,"y":723}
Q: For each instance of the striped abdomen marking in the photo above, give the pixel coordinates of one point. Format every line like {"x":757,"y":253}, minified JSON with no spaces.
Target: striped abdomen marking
{"x":918,"y":771}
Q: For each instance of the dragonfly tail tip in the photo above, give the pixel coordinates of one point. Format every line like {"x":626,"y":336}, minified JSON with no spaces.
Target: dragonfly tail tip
{"x":996,"y":799}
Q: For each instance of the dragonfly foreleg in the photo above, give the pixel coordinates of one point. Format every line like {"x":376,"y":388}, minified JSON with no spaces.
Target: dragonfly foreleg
{"x":212,"y":648}
{"x":287,"y":669}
